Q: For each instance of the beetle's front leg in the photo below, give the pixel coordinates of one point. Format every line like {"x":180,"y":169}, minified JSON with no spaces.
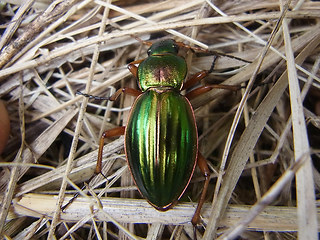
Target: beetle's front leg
{"x":202,"y":164}
{"x":133,"y":68}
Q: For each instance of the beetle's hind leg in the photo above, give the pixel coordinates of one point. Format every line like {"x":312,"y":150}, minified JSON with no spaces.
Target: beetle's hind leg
{"x":202,"y":164}
{"x":107,"y":134}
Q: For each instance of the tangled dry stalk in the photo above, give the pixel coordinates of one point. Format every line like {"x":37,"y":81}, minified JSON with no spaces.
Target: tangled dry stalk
{"x":256,"y":140}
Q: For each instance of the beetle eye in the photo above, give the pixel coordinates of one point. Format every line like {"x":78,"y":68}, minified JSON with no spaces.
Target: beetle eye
{"x":149,"y":52}
{"x":175,"y":47}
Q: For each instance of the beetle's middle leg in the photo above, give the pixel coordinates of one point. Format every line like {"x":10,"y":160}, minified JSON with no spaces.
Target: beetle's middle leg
{"x":107,"y":134}
{"x":115,"y":131}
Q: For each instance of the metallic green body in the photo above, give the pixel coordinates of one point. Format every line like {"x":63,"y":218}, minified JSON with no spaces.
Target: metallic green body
{"x":161,"y":146}
{"x":161,"y":140}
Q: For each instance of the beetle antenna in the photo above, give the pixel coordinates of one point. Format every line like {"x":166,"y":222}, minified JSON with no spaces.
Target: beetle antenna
{"x":208,"y":51}
{"x":228,"y":56}
{"x":92,"y":96}
{"x":213,"y":64}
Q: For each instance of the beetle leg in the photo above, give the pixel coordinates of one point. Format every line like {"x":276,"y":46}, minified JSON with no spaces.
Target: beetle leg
{"x":198,"y":91}
{"x":142,"y":41}
{"x":113,"y":97}
{"x":192,"y":48}
{"x":195,"y":78}
{"x":201,"y":162}
{"x":109,"y":133}
{"x":125,"y":90}
{"x":116,"y":131}
{"x":133,"y":68}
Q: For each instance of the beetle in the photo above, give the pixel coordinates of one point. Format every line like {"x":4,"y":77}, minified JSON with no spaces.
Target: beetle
{"x":161,"y":140}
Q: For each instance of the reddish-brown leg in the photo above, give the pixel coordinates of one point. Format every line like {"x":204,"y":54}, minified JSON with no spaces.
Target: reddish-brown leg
{"x":133,"y":68}
{"x":107,"y":134}
{"x":194,"y":79}
{"x":142,"y":41}
{"x":116,"y":131}
{"x":202,"y":164}
{"x":198,"y":91}
{"x":110,"y":133}
{"x":125,"y":90}
{"x":119,"y":130}
{"x":197,"y":77}
{"x":192,"y":48}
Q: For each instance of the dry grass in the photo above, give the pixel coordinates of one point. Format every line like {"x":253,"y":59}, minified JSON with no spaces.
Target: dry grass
{"x":256,"y":140}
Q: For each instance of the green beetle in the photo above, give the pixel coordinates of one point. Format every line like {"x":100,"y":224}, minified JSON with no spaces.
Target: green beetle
{"x":161,"y":141}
